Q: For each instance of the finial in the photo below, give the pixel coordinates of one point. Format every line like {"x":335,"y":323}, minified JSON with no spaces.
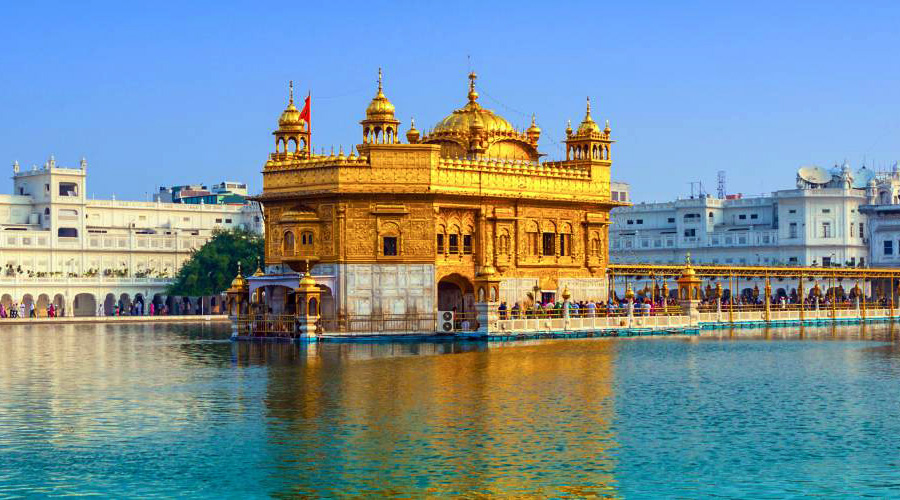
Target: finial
{"x":588,"y":113}
{"x":532,"y":119}
{"x":83,"y":163}
{"x":291,"y":92}
{"x":332,"y":150}
{"x":473,"y":94}
{"x":379,"y":80}
{"x":687,"y":259}
{"x":341,"y":151}
{"x":239,"y":267}
{"x":412,"y":122}
{"x":16,"y":166}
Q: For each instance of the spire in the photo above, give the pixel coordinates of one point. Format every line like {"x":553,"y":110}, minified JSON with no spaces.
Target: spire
{"x":412,"y":135}
{"x":379,"y":80}
{"x":291,"y":92}
{"x":473,"y":94}
{"x":587,"y":114}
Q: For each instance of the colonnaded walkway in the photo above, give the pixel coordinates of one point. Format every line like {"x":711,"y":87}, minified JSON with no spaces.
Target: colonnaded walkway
{"x":99,"y":295}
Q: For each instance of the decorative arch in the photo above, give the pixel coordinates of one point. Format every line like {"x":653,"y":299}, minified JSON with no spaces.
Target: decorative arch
{"x":287,"y":244}
{"x":390,"y":239}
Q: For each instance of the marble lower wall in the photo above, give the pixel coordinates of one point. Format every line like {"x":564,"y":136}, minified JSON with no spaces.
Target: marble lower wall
{"x":384,"y":288}
{"x":514,"y":290}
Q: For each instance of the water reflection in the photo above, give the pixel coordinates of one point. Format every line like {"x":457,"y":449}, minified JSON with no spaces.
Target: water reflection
{"x":452,"y":418}
{"x":178,"y":410}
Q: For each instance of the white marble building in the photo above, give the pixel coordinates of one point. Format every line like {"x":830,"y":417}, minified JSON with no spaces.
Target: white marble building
{"x":817,"y":223}
{"x":52,"y":234}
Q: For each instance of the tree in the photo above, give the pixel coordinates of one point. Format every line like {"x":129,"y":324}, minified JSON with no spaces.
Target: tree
{"x":210,"y":269}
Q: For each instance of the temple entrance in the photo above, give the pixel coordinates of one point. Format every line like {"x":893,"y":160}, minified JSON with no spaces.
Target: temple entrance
{"x":455,"y":292}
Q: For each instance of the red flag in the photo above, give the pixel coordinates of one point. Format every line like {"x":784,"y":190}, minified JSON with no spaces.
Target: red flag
{"x":304,"y":115}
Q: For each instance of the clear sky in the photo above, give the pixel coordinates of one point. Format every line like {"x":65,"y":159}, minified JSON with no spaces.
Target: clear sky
{"x":186,"y":92}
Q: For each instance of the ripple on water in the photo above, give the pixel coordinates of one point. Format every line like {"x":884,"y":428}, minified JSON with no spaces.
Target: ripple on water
{"x":177,"y":410}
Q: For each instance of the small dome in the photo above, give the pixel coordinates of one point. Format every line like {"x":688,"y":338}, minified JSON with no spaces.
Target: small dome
{"x":380,"y":108}
{"x":412,"y":135}
{"x":307,"y":280}
{"x":533,"y":129}
{"x":238,"y":282}
{"x":290,"y":117}
{"x":588,"y":125}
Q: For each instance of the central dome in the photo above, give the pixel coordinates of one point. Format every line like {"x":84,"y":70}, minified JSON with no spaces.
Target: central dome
{"x":473,"y":131}
{"x":461,"y":121}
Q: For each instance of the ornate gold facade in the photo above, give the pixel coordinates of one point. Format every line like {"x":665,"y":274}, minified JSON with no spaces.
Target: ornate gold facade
{"x":470,"y":197}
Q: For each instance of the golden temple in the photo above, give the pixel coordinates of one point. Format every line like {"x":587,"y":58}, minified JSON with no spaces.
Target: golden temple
{"x":414,"y":227}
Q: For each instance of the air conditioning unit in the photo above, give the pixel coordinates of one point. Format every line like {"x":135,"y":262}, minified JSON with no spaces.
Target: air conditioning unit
{"x":445,"y":321}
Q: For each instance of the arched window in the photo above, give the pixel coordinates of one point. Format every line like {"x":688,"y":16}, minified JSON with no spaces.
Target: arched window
{"x":503,"y":243}
{"x":565,"y":239}
{"x":313,"y":306}
{"x":306,"y":242}
{"x":532,"y":235}
{"x":288,"y":243}
{"x":439,"y":244}
{"x":595,"y":246}
{"x":389,"y":233}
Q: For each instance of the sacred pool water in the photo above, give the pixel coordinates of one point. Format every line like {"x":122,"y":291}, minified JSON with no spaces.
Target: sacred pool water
{"x":174,"y":410}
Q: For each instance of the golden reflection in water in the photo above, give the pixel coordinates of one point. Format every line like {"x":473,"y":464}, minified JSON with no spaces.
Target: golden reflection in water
{"x":79,"y":381}
{"x":443,"y":419}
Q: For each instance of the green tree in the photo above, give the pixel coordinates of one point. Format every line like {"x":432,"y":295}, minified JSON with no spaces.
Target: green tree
{"x":210,"y":269}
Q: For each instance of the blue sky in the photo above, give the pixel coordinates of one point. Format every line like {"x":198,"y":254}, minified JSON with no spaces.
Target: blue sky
{"x":190,"y":91}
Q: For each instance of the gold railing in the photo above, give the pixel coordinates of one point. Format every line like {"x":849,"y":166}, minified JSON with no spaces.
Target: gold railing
{"x":269,"y":325}
{"x":600,"y":311}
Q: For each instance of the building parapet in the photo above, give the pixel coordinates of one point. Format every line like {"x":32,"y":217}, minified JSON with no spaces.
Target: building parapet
{"x":83,"y":281}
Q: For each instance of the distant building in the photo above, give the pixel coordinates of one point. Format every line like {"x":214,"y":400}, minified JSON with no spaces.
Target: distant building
{"x":224,"y":193}
{"x":818,"y":223}
{"x":56,"y":245}
{"x":884,"y":220}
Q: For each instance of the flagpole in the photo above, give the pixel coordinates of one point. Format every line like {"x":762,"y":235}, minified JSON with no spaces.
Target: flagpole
{"x":309,"y":122}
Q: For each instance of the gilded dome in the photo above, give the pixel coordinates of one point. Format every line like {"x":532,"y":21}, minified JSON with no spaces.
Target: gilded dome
{"x":533,"y":132}
{"x":473,"y":132}
{"x":380,"y":107}
{"x":588,"y":125}
{"x":290,"y":117}
{"x":238,"y":282}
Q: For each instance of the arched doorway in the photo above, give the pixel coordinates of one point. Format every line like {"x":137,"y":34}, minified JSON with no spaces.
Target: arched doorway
{"x":124,"y":305}
{"x":59,"y":304}
{"x":157,"y":303}
{"x":327,"y":305}
{"x":109,"y":305}
{"x":455,"y":292}
{"x":40,"y":308}
{"x":28,"y":302}
{"x":139,"y":304}
{"x":85,"y":304}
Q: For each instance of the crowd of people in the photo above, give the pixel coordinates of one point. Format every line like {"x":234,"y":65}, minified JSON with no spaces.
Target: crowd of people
{"x":645,"y":306}
{"x":23,"y":310}
{"x":30,"y":310}
{"x":578,"y":309}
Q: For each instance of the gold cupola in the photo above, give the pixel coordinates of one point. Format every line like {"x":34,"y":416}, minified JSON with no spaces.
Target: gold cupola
{"x":473,"y":131}
{"x":533,"y":132}
{"x":293,"y":133}
{"x":588,"y":125}
{"x":588,"y":142}
{"x":412,"y":135}
{"x":290,"y":117}
{"x":380,"y":126}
